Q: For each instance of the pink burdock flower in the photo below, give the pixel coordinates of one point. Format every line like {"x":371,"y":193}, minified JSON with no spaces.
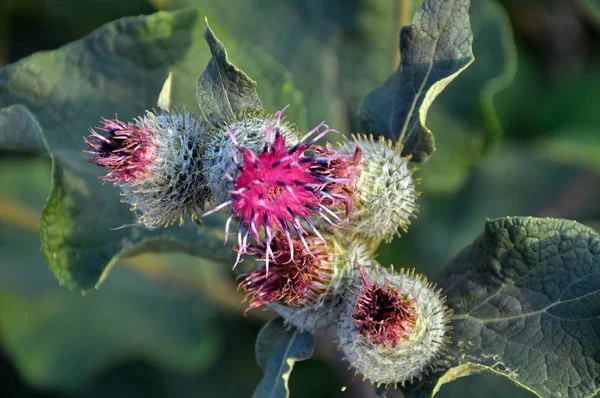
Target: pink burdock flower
{"x":127,"y":151}
{"x":300,"y":276}
{"x":157,"y":162}
{"x":281,"y":188}
{"x":383,"y":314}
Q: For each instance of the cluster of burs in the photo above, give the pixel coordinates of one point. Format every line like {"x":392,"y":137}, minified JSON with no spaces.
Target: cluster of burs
{"x":307,"y":217}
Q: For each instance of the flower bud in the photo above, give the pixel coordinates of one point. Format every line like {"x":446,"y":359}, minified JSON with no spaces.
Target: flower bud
{"x":385,"y":192}
{"x":157,"y":163}
{"x":393,"y":327}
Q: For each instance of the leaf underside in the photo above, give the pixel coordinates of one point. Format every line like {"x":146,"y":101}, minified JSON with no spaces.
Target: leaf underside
{"x":278,"y":347}
{"x":434,"y":50}
{"x":464,"y":114}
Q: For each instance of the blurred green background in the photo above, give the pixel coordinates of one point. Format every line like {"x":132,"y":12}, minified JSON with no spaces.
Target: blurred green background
{"x":173,"y":325}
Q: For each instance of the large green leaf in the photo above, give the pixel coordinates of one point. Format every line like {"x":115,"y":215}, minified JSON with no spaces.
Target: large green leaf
{"x":161,"y":315}
{"x":18,"y":130}
{"x":433,"y":50}
{"x":119,"y":68}
{"x":526,"y":302}
{"x":278,"y":348}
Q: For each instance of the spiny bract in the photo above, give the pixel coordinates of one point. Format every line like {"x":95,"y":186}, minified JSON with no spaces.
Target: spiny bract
{"x":385,"y":193}
{"x":301,"y":271}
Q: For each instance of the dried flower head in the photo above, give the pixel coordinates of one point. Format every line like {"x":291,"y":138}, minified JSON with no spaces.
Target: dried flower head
{"x":298,"y":277}
{"x":157,"y":163}
{"x":394,"y":328}
{"x":385,"y":192}
{"x":281,"y":187}
{"x":325,"y":311}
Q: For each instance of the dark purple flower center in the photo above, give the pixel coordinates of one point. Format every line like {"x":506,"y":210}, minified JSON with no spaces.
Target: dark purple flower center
{"x":384,"y":314}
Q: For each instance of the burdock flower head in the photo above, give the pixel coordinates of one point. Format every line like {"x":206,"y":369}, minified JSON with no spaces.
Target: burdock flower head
{"x":283,"y":185}
{"x":393,"y":327}
{"x":156,"y":160}
{"x":385,"y":192}
{"x":252,"y":133}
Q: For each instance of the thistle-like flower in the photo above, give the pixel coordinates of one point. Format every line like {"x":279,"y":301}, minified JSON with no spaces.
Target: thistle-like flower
{"x":394,"y":328}
{"x":281,"y":187}
{"x":253,"y":133}
{"x":157,"y":163}
{"x":385,"y":192}
{"x":298,"y":278}
{"x":127,"y":151}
